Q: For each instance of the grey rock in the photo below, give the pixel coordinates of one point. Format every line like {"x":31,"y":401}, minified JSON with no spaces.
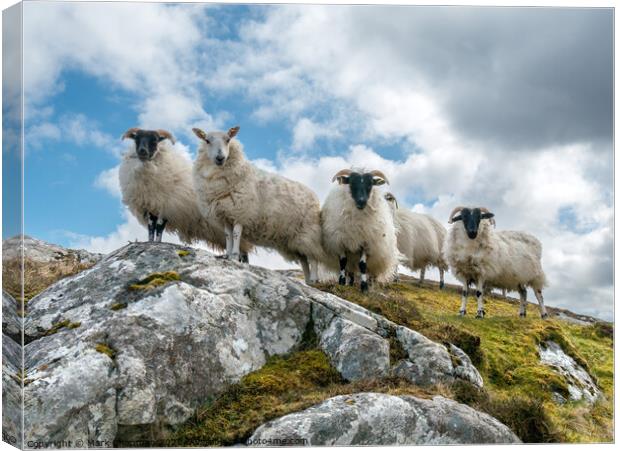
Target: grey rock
{"x":11,"y":391}
{"x":381,"y":419}
{"x":11,"y":321}
{"x":580,"y":384}
{"x":430,"y":363}
{"x":43,"y":252}
{"x":175,"y":346}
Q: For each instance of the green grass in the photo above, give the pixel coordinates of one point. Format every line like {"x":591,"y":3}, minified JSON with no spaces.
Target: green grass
{"x":504,"y":349}
{"x":285,"y":384}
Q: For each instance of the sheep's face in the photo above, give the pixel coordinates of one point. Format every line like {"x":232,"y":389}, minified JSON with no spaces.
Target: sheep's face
{"x":471,"y":218}
{"x":147,"y":141}
{"x":216,"y":144}
{"x":360,"y":186}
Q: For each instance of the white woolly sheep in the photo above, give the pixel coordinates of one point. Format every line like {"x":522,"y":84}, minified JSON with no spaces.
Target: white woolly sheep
{"x":156,"y":185}
{"x":358,"y":227}
{"x":420,"y":239}
{"x":267,"y":209}
{"x":506,"y":260}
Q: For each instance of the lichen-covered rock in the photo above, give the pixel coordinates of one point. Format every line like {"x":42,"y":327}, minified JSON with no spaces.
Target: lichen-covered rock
{"x":430,"y":362}
{"x":133,"y":345}
{"x":11,"y":321}
{"x":381,"y":419}
{"x":580,"y":384}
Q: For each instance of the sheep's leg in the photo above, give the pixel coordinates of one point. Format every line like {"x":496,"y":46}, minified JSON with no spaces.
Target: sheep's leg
{"x":541,"y":304}
{"x":441,"y":278}
{"x":160,"y":226}
{"x":363,"y":277}
{"x":523,"y":298}
{"x":314,"y":271}
{"x":504,"y":293}
{"x":479,"y":292}
{"x":351,"y":278}
{"x":464,"y":294}
{"x":303,"y":260}
{"x":151,"y":221}
{"x":236,"y":242}
{"x":422,"y":274}
{"x":228,"y":232}
{"x":342,"y":280}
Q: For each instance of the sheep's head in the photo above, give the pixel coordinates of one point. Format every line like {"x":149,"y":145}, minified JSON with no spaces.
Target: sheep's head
{"x":471,"y":218}
{"x":391,"y":200}
{"x":147,"y":141}
{"x":360,"y":184}
{"x":215,"y":144}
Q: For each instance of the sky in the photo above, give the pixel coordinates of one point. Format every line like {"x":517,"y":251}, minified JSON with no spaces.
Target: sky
{"x":507,"y":108}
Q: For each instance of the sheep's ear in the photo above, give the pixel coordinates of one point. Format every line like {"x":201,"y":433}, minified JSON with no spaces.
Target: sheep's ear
{"x":456,"y":218}
{"x":343,"y":179}
{"x":233,"y":131}
{"x":131,"y":133}
{"x":202,"y":135}
{"x":487,"y":215}
{"x":164,"y":134}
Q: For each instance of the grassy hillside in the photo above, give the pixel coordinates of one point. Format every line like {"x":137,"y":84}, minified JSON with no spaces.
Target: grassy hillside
{"x":518,"y":389}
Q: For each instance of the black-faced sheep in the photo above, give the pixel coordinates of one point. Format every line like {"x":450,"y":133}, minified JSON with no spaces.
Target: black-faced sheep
{"x":358,"y":227}
{"x":156,"y":185}
{"x":507,"y":260}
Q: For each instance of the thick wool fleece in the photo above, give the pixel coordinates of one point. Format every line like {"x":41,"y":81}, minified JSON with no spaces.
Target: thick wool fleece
{"x":275,"y":212}
{"x":502,"y":259}
{"x":420,"y":239}
{"x":347,"y":230}
{"x":163,"y":186}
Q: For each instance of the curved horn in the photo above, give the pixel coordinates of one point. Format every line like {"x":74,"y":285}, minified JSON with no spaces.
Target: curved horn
{"x":166,"y":135}
{"x":129,"y":133}
{"x":453,"y":213}
{"x":377,"y":173}
{"x":340,"y":173}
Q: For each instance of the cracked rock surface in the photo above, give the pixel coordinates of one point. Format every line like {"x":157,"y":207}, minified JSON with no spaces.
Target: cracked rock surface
{"x":130,"y":347}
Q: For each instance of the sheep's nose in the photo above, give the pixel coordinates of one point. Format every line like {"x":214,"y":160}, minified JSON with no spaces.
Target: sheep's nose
{"x":143,"y":153}
{"x":360,"y":204}
{"x":219,"y":160}
{"x":472,"y":234}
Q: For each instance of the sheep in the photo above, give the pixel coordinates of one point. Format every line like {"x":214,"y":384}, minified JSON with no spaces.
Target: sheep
{"x":420,"y":239}
{"x":506,"y":259}
{"x":358,"y":227}
{"x":156,"y":186}
{"x":267,"y":209}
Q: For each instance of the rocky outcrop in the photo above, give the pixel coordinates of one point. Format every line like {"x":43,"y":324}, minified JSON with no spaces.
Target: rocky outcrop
{"x":43,"y":252}
{"x":580,"y":384}
{"x":11,"y":372}
{"x":131,"y":346}
{"x":381,"y":419}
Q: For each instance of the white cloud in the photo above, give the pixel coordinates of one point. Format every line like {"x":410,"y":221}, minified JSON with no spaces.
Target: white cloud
{"x":306,"y":132}
{"x":108,"y":181}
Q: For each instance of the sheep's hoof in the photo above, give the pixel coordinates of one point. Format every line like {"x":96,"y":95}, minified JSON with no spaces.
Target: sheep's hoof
{"x":480,"y":314}
{"x":235,"y":257}
{"x":364,"y":287}
{"x":441,"y":285}
{"x":522,"y":314}
{"x":462,"y":312}
{"x":545,"y":316}
{"x":222,"y":257}
{"x":342,"y":281}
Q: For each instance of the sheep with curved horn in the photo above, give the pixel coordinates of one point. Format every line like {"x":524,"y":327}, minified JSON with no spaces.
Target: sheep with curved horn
{"x":156,"y":185}
{"x":358,"y":227}
{"x":507,"y":260}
